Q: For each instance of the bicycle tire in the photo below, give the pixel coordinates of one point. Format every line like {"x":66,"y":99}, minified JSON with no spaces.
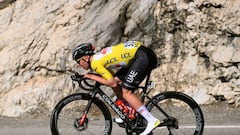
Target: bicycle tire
{"x":181,"y":107}
{"x":81,"y":98}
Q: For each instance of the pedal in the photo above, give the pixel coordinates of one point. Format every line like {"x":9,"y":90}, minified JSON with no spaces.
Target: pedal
{"x":122,"y":125}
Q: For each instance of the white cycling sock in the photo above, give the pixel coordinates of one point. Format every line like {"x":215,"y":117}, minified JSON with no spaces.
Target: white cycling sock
{"x":152,"y":121}
{"x":146,"y":114}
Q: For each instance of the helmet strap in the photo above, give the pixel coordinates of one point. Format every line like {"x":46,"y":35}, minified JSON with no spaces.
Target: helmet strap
{"x":89,"y":63}
{"x":88,"y":60}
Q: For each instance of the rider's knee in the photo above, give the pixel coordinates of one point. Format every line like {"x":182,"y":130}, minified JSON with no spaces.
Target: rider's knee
{"x":118,"y":80}
{"x":126,"y":92}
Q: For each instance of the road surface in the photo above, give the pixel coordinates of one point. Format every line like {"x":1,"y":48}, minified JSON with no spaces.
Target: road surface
{"x":220,"y":119}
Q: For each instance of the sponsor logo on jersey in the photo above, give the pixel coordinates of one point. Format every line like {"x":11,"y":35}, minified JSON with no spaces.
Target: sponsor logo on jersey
{"x":130,"y":44}
{"x":112,"y":60}
{"x":106,"y":50}
{"x":125,"y":55}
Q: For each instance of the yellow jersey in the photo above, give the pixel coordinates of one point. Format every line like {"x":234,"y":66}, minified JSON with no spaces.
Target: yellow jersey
{"x":108,"y":58}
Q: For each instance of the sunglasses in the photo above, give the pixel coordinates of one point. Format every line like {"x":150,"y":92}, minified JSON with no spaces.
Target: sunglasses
{"x":78,"y":60}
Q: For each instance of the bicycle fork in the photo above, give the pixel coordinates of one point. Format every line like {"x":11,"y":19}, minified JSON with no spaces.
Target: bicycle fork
{"x":81,"y":123}
{"x":83,"y":119}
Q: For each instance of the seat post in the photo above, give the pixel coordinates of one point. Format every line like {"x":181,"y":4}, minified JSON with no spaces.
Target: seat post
{"x":147,"y":80}
{"x":148,"y":77}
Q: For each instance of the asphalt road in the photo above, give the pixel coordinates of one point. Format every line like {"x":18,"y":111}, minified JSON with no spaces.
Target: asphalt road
{"x":220,"y":119}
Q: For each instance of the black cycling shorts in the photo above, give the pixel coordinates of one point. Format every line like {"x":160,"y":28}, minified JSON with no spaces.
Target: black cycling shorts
{"x":144,"y":61}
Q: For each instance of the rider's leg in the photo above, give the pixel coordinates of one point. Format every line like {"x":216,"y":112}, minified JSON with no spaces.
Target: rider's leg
{"x":136,"y":103}
{"x":131,"y":98}
{"x":118,"y":91}
{"x":144,"y":60}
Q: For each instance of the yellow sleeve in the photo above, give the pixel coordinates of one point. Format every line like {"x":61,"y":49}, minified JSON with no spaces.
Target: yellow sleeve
{"x":101,"y":70}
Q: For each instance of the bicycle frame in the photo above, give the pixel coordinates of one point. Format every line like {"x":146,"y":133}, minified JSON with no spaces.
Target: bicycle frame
{"x":109,"y":101}
{"x":115,"y":108}
{"x":137,"y":125}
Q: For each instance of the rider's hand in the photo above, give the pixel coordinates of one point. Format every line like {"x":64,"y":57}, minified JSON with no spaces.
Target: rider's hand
{"x":118,"y":80}
{"x":87,"y":76}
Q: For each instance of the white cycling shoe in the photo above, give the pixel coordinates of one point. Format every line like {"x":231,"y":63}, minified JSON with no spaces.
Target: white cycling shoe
{"x":151,"y":126}
{"x":118,"y":120}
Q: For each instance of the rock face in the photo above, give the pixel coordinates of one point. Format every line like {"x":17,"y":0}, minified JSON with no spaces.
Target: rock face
{"x":197,"y":42}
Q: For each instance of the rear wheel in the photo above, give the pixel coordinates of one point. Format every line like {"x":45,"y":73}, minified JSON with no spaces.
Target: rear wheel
{"x":68,"y":117}
{"x":184,"y":114}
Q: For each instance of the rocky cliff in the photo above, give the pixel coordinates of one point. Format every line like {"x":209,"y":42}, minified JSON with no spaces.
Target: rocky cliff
{"x":197,"y":43}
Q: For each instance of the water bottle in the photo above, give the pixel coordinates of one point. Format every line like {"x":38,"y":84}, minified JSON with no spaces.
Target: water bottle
{"x":132,"y":113}
{"x":126,"y":108}
{"x":122,"y":106}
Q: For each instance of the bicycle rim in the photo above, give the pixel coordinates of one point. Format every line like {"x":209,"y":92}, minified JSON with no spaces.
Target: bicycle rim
{"x":68,"y":113}
{"x":180,"y":106}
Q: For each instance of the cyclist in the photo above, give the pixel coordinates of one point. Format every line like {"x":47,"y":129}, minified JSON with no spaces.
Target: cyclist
{"x":131,"y":60}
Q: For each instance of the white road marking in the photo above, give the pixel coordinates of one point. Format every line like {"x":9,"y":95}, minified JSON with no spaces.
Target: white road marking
{"x":214,"y":126}
{"x":222,"y":126}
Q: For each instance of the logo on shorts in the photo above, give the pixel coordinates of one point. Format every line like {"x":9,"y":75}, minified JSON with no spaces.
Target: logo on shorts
{"x":131,"y":76}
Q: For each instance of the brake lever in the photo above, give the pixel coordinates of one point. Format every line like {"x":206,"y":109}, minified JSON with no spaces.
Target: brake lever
{"x":76,"y":77}
{"x":73,"y":85}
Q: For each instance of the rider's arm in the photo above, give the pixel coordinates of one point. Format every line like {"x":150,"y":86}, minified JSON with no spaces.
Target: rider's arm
{"x":108,"y":82}
{"x":106,"y":75}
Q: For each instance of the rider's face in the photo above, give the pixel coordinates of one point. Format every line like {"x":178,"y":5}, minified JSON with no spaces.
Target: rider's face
{"x":83,"y":62}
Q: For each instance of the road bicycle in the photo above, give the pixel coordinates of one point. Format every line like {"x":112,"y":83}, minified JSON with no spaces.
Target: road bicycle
{"x":88,"y":113}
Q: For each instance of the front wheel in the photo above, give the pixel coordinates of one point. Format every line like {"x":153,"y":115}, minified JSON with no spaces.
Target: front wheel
{"x":179,"y":114}
{"x":69,"y":117}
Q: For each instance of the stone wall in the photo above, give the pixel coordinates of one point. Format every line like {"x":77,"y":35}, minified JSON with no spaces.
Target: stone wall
{"x":197,"y":43}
